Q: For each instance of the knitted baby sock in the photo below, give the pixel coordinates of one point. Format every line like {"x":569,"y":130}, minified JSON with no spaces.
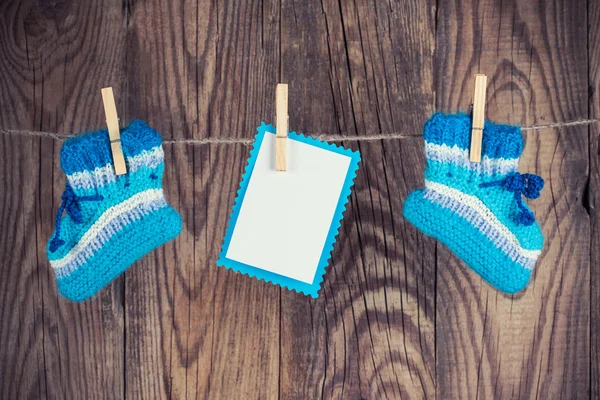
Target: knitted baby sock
{"x":111,"y":221}
{"x":476,"y":209}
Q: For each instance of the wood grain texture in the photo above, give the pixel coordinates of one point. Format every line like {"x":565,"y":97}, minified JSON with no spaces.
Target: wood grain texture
{"x":535,"y":343}
{"x":371,"y":332}
{"x":593,"y":194}
{"x":52,"y":348}
{"x":219,"y":64}
{"x":398,"y":315}
{"x":184,"y":320}
{"x":202,"y":68}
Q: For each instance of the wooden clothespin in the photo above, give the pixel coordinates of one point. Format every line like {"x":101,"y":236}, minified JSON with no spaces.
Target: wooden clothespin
{"x":112,"y":121}
{"x":282,"y":121}
{"x":478,"y":117}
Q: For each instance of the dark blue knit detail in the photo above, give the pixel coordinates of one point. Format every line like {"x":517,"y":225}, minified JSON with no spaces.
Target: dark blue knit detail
{"x":70,"y":204}
{"x":499,"y":141}
{"x":528,"y":185}
{"x":92,"y":150}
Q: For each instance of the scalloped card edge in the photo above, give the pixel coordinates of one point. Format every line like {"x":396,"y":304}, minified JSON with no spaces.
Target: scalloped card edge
{"x":267,"y":276}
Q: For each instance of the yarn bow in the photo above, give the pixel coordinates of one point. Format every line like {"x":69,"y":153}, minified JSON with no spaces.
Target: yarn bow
{"x":528,"y":185}
{"x":70,"y":204}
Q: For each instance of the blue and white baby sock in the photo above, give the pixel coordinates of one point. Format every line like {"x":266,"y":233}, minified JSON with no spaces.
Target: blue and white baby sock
{"x":111,"y":221}
{"x":477,"y":209}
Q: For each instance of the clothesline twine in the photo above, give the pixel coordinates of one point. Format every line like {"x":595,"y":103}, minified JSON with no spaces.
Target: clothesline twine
{"x":328,"y":138}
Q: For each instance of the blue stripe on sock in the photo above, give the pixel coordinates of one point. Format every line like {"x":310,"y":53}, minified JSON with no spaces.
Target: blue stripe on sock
{"x":126,"y":247}
{"x":467,"y":242}
{"x":92,"y":150}
{"x":462,"y":210}
{"x":499,"y":141}
{"x":500,"y":202}
{"x":111,"y":229}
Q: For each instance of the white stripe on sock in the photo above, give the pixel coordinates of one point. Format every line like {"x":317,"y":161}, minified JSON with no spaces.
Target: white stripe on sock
{"x":113,"y":212}
{"x":489,"y":217}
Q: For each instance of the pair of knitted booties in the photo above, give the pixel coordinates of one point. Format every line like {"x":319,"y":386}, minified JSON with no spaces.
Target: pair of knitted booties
{"x":110,"y":221}
{"x":477,"y":209}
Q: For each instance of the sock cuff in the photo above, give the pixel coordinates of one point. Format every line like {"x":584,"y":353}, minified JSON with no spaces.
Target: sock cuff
{"x":92,"y":150}
{"x":499,"y":140}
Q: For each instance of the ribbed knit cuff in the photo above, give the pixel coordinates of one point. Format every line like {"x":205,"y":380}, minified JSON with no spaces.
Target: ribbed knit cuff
{"x":499,"y":141}
{"x":92,"y":150}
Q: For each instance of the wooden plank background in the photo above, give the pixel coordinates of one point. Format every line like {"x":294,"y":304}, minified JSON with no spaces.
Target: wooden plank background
{"x":398,"y":315}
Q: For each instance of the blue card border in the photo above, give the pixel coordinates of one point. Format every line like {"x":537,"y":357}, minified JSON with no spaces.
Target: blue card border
{"x":289,"y":283}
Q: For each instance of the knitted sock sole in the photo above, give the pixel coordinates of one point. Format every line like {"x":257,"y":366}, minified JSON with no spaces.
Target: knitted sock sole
{"x":467,"y":242}
{"x":125,"y":248}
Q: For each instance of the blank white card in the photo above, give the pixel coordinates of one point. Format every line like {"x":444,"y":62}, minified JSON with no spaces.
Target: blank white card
{"x":283,"y":219}
{"x":285,"y":216}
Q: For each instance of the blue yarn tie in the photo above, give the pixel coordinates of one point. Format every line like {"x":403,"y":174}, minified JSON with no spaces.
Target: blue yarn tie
{"x":528,"y":185}
{"x":70,"y":204}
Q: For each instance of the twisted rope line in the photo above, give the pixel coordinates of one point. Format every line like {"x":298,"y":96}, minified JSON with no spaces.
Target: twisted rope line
{"x":328,"y":138}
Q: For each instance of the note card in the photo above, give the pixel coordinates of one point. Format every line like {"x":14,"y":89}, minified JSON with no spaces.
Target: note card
{"x":284,"y":223}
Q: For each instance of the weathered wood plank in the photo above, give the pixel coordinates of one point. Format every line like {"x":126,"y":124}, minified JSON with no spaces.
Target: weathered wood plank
{"x":195,"y":329}
{"x":178,"y":326}
{"x":536,"y":343}
{"x":52,"y":348}
{"x":202,"y":69}
{"x":22,"y":356}
{"x":370,"y":334}
{"x":56,"y":58}
{"x":593,"y":195}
